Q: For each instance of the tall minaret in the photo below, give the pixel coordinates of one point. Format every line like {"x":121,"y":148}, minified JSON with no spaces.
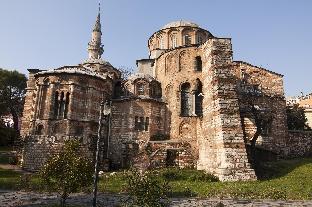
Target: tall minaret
{"x":95,"y":47}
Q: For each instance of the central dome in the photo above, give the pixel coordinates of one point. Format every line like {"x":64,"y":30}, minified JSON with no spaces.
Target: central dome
{"x":180,"y":23}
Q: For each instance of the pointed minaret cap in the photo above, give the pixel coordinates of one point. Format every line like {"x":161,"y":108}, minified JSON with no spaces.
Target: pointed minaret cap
{"x":95,"y":47}
{"x":97,"y":26}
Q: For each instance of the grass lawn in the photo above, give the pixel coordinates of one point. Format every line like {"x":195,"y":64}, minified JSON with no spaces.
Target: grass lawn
{"x":286,"y":179}
{"x":9,"y":179}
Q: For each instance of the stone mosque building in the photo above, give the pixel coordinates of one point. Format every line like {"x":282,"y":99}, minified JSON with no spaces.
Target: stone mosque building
{"x":188,"y":105}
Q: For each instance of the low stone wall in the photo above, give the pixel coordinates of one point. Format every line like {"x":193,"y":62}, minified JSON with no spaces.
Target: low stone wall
{"x":298,"y":144}
{"x":171,"y":154}
{"x":39,"y":148}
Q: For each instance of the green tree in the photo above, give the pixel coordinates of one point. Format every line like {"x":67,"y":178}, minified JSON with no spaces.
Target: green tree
{"x":146,"y":189}
{"x":296,"y":119}
{"x":12,"y":93}
{"x":68,"y":172}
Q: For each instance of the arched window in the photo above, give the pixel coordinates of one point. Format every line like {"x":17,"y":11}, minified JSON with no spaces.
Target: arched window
{"x":174,"y":41}
{"x":155,"y":90}
{"x":185,"y":100}
{"x":39,"y":129}
{"x":61,"y":106}
{"x":56,"y":104}
{"x":199,"y":98}
{"x":198,"y":63}
{"x":199,"y":39}
{"x":118,"y":90}
{"x":187,"y":39}
{"x":66,"y":105}
{"x":161,"y":43}
{"x":140,"y":89}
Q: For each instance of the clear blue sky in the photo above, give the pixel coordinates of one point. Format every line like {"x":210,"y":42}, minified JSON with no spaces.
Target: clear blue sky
{"x":275,"y":34}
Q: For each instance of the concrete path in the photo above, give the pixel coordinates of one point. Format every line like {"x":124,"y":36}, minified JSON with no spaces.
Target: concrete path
{"x":31,"y":199}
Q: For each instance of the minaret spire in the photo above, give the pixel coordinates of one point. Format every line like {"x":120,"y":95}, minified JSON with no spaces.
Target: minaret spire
{"x":95,"y":47}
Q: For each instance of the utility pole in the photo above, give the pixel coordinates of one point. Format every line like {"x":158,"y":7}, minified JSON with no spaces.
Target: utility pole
{"x":96,"y":166}
{"x":105,"y":111}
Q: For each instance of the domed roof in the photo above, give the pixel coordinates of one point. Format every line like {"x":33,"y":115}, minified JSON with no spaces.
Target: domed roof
{"x":179,"y":24}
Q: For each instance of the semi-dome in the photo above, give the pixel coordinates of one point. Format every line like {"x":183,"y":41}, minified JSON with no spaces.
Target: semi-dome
{"x":180,"y":23}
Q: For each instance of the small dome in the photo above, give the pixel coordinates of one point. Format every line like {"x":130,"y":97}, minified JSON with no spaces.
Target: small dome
{"x":179,"y":24}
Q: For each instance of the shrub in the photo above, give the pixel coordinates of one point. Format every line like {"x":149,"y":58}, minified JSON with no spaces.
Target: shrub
{"x":146,"y":189}
{"x":67,"y":172}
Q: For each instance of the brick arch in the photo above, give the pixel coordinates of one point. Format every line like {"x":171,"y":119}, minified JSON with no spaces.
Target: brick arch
{"x":183,"y":56}
{"x":170,"y":62}
{"x":185,"y":129}
{"x":160,"y":39}
{"x":187,"y":31}
{"x":39,"y":130}
{"x":141,"y":84}
{"x":171,"y":33}
{"x":168,"y":92}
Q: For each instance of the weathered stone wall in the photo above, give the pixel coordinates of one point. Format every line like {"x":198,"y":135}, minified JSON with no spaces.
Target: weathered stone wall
{"x":298,"y":144}
{"x":222,"y":147}
{"x":39,"y":148}
{"x":61,"y":105}
{"x":170,"y":154}
{"x":263,"y":89}
{"x":173,"y":69}
{"x":123,"y":130}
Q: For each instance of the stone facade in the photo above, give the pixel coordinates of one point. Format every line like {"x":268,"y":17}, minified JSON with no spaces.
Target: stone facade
{"x":188,"y":105}
{"x":298,"y":144}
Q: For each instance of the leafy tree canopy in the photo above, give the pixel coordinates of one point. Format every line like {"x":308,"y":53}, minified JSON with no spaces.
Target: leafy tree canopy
{"x":67,"y":172}
{"x":296,"y":119}
{"x":12,"y":93}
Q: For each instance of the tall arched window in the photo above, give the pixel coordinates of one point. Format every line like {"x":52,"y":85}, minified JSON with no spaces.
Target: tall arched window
{"x":199,"y":98}
{"x":187,"y":39}
{"x":161,"y":43}
{"x":118,"y":90}
{"x":66,"y":105}
{"x":56,"y":104}
{"x":62,"y":105}
{"x":174,"y":41}
{"x":199,"y":39}
{"x":198,"y":63}
{"x":185,"y":99}
{"x":140,"y":89}
{"x":155,"y":90}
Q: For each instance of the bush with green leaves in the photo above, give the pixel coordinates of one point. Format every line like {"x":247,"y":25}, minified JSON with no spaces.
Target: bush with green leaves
{"x":68,"y":172}
{"x":146,"y":189}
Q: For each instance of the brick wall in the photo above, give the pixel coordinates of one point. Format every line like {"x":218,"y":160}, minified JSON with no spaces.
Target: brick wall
{"x":298,"y":144}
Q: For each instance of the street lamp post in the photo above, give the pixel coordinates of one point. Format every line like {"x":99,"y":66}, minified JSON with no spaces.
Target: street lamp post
{"x":105,"y":110}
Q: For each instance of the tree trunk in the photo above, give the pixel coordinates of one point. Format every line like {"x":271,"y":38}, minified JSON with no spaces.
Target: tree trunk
{"x":63,"y":199}
{"x":15,"y":118}
{"x":253,"y":148}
